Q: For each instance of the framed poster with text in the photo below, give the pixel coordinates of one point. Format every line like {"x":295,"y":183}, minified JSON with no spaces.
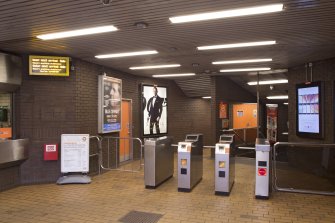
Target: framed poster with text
{"x":109,"y":105}
{"x":223,"y":110}
{"x":154,"y":110}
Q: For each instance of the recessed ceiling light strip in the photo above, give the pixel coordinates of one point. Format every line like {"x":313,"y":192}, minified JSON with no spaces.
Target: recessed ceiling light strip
{"x":155,"y":66}
{"x":173,"y":75}
{"x":237,"y":45}
{"x":245,"y":69}
{"x":241,"y":61}
{"x":78,"y":32}
{"x":280,"y":81}
{"x":228,"y":13}
{"x":127,"y":54}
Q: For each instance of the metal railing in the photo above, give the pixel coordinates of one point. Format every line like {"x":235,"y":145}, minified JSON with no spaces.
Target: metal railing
{"x":110,"y":154}
{"x":304,"y":168}
{"x":243,"y":136}
{"x":95,"y":151}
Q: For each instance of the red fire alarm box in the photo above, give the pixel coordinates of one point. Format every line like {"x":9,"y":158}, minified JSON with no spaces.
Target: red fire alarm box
{"x":50,"y":151}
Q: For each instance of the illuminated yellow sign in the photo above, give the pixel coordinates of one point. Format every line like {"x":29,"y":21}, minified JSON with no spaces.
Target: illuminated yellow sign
{"x":49,"y":66}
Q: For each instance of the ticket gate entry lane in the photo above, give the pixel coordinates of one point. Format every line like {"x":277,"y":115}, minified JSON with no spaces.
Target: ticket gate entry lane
{"x":158,"y":161}
{"x":262,"y":184}
{"x":224,"y":165}
{"x":190,"y":163}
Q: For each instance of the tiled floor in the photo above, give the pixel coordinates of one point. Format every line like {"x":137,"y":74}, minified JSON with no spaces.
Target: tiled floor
{"x":112,"y":195}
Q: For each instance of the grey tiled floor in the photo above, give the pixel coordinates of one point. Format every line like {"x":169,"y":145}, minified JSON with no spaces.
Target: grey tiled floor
{"x":112,"y":195}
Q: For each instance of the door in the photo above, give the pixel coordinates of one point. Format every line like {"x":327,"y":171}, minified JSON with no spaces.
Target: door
{"x":125,"y":144}
{"x":244,"y":116}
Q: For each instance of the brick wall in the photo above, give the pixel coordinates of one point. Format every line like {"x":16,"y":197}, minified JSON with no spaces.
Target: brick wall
{"x":50,"y":106}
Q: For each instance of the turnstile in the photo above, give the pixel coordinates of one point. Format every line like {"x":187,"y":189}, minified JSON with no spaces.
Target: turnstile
{"x":158,"y":161}
{"x":262,"y":184}
{"x":224,"y":165}
{"x":190,"y":164}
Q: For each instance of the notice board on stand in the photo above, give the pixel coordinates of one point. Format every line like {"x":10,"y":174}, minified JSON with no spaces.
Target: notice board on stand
{"x":75,"y":153}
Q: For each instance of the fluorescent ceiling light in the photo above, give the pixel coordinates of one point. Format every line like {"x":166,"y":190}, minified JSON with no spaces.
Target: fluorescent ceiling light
{"x":78,"y":32}
{"x":285,"y":103}
{"x":207,"y":97}
{"x":281,"y":81}
{"x":173,"y":75}
{"x":228,"y":13}
{"x":278,"y":97}
{"x":241,"y":61}
{"x":127,"y":54}
{"x":245,"y":69}
{"x":155,"y":66}
{"x":237,"y":45}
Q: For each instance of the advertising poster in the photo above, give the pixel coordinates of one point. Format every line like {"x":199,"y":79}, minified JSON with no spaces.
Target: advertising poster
{"x":308,"y":110}
{"x":154,"y":110}
{"x":271,"y":122}
{"x":110,"y":96}
{"x":223,"y":110}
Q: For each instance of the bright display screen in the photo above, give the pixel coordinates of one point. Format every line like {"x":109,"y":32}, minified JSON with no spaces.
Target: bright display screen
{"x":308,"y":109}
{"x":49,"y":65}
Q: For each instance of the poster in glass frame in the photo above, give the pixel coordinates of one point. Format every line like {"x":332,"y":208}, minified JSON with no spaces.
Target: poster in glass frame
{"x":309,"y":110}
{"x":154,"y":117}
{"x":109,"y":104}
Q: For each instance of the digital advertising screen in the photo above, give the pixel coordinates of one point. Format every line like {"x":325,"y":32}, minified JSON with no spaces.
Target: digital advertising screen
{"x":154,"y":110}
{"x":309,"y":115}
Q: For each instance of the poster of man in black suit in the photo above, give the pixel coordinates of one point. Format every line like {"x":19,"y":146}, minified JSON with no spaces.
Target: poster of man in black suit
{"x":154,"y":110}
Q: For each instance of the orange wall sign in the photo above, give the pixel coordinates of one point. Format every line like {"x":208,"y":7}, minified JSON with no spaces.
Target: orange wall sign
{"x":5,"y":133}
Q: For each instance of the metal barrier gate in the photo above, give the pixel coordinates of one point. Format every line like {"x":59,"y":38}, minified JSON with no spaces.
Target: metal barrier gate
{"x":304,"y":168}
{"x":109,"y":154}
{"x":95,"y":151}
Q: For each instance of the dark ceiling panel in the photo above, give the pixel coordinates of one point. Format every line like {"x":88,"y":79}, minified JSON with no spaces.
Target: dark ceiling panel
{"x":304,"y":32}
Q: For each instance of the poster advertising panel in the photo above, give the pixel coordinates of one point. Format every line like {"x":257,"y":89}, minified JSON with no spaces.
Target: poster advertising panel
{"x":109,"y":111}
{"x":223,"y":110}
{"x":309,"y":110}
{"x":271,"y":122}
{"x":75,"y":153}
{"x":154,"y":110}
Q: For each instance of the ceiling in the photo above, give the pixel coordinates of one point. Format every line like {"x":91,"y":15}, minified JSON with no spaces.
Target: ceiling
{"x":304,"y":32}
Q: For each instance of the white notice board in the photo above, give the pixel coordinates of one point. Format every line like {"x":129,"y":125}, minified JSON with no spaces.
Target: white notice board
{"x":75,"y":153}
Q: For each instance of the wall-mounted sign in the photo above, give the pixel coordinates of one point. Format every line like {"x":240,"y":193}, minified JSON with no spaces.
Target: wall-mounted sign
{"x":49,"y":66}
{"x":109,"y":112}
{"x":310,"y":109}
{"x":223,"y":110}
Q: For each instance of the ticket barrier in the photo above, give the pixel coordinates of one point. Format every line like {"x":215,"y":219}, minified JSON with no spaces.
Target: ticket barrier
{"x":158,"y":161}
{"x":262,"y":183}
{"x":224,"y":165}
{"x":190,"y":163}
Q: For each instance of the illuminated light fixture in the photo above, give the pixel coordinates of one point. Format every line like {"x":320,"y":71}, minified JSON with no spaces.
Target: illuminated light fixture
{"x":245,"y":69}
{"x":207,"y":97}
{"x":241,"y":61}
{"x":228,"y":13}
{"x":127,"y":54}
{"x":281,"y":81}
{"x":278,"y":97}
{"x":155,"y":67}
{"x":285,"y":103}
{"x":237,"y":45}
{"x":78,"y":32}
{"x":173,"y":75}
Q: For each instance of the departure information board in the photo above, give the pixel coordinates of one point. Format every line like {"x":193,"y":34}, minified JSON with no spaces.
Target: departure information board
{"x":49,"y":66}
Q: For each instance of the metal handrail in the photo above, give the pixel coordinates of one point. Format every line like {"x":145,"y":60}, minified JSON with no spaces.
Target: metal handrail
{"x":274,"y":179}
{"x":116,"y":155}
{"x":243,"y":139}
{"x":98,"y":138}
